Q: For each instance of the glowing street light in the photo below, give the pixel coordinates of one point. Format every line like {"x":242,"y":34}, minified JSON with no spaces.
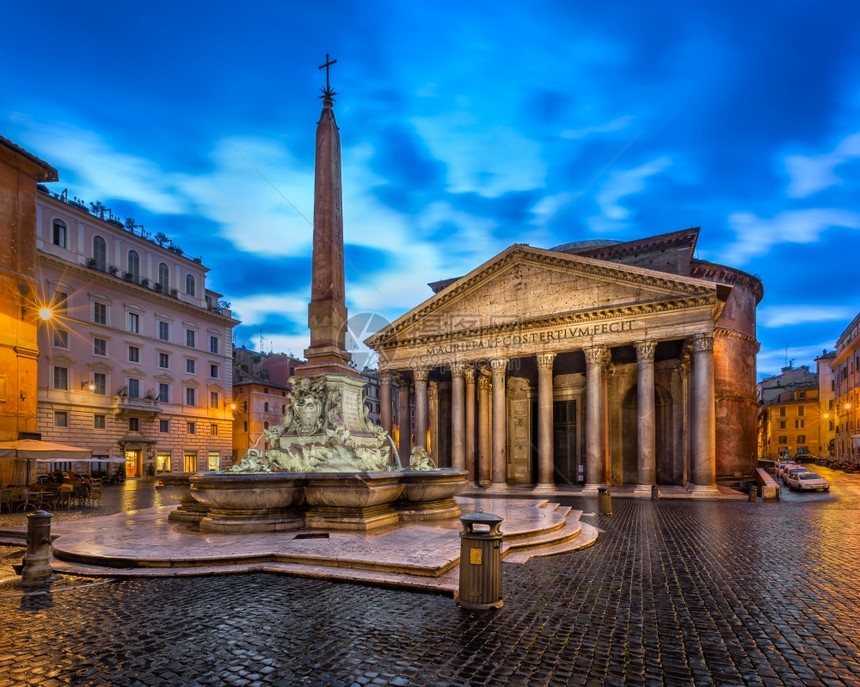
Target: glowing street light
{"x":45,"y":313}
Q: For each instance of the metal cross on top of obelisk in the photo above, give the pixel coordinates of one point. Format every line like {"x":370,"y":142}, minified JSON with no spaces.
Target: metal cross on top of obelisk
{"x":327,"y":93}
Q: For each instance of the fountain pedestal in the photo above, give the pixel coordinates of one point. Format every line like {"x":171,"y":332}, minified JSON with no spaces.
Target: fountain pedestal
{"x":352,"y":501}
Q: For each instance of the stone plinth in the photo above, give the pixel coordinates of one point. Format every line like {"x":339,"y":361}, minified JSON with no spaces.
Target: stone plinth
{"x":176,"y":486}
{"x":358,"y":501}
{"x":429,"y":495}
{"x":249,"y":503}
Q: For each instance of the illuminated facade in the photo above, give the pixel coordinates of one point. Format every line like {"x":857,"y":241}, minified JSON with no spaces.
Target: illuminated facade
{"x":846,"y":369}
{"x":136,"y":353}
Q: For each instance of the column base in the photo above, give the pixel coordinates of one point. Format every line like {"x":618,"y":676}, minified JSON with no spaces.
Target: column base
{"x":590,"y":488}
{"x":699,"y":491}
{"x":547,"y":488}
{"x":497,"y":487}
{"x":642,"y":491}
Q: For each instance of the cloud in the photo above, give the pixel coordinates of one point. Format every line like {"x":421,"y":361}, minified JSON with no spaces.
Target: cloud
{"x":789,"y":315}
{"x":813,"y":173}
{"x":754,"y":236}
{"x":619,"y":185}
{"x":617,"y":124}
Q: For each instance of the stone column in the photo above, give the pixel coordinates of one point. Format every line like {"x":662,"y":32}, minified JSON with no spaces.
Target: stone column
{"x":545,"y":481}
{"x":704,"y":460}
{"x":500,"y":425}
{"x":433,"y":410}
{"x":458,"y":416}
{"x":595,"y":417}
{"x":420,"y":376}
{"x":647,"y":417}
{"x":404,"y":444}
{"x":469,"y":373}
{"x":485,"y":424}
{"x":385,"y":399}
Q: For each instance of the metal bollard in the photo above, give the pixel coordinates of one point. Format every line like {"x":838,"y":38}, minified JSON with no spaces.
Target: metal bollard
{"x":36,"y":569}
{"x":753,"y":494}
{"x":604,"y":501}
{"x":480,"y":562}
{"x":655,"y":493}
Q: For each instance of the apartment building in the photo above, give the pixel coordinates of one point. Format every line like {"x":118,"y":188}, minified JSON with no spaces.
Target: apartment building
{"x":135,"y":351}
{"x":846,"y":369}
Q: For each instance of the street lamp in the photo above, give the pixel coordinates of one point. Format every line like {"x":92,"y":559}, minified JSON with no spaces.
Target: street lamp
{"x":91,"y":385}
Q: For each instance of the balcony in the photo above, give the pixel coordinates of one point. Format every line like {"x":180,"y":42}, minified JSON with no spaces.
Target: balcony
{"x":126,"y":406}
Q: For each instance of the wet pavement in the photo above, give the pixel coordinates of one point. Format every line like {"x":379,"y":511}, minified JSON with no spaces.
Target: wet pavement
{"x":672,"y":593}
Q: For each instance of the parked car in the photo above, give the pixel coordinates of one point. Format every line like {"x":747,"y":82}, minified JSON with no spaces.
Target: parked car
{"x":804,"y":457}
{"x":786,"y":466}
{"x":807,"y":481}
{"x":795,"y":470}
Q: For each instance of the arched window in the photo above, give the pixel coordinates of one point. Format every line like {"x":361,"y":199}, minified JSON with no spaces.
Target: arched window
{"x":266,"y":407}
{"x":189,"y":285}
{"x":134,"y":265}
{"x":59,"y":233}
{"x":100,"y":253}
{"x":163,"y":277}
{"x":266,"y":425}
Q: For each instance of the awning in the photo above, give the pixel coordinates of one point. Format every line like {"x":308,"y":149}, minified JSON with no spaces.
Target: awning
{"x":34,"y":449}
{"x":81,"y":460}
{"x":134,"y":438}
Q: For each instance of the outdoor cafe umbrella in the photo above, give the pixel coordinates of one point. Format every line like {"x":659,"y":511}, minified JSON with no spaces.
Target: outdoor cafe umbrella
{"x":41,"y":451}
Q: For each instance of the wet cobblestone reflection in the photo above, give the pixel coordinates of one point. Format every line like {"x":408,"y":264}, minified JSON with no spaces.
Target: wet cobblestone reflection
{"x":673,"y":593}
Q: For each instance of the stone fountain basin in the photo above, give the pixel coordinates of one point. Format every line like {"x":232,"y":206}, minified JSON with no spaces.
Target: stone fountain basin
{"x":247,"y":491}
{"x":352,"y":489}
{"x":432,"y":485}
{"x":173,"y":485}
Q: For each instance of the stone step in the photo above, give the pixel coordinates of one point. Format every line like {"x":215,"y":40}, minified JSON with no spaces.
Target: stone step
{"x":585,"y":538}
{"x":568,"y":531}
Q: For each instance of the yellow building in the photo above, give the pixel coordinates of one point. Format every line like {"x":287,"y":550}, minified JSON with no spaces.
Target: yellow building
{"x":790,"y":426}
{"x":846,"y":368}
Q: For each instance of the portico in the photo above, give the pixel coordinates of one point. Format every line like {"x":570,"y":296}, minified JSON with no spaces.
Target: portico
{"x":560,"y":370}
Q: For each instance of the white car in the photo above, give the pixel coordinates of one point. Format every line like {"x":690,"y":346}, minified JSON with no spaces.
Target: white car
{"x":807,"y":481}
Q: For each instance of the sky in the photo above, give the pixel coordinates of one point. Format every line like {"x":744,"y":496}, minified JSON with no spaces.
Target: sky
{"x":465,"y":128}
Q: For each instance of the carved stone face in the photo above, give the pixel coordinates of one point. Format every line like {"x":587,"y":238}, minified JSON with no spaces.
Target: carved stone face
{"x":307,"y":410}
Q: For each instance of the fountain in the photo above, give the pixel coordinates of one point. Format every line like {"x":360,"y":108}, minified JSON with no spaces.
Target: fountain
{"x":327,"y":466}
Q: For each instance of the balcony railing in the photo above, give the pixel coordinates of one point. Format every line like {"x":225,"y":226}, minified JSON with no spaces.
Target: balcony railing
{"x":127,"y":405}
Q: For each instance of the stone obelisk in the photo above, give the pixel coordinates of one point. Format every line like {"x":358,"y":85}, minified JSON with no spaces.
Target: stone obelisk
{"x":327,"y":310}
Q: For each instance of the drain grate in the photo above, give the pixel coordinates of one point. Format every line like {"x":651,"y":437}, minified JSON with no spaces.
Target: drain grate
{"x":312,"y":535}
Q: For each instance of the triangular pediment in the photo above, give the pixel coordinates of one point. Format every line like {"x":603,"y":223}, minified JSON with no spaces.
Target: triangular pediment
{"x":529,"y":285}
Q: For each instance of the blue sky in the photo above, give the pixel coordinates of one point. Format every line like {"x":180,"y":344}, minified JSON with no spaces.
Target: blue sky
{"x":465,"y":127}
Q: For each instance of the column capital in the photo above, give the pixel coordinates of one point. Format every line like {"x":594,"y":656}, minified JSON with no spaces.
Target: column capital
{"x":545,"y":360}
{"x":484,"y":382}
{"x":420,"y":374}
{"x":597,"y":355}
{"x":457,"y":368}
{"x":385,"y":376}
{"x":469,"y":372}
{"x":499,"y":366}
{"x":703,"y":342}
{"x":645,"y":350}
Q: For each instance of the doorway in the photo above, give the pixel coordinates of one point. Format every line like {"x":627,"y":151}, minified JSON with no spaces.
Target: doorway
{"x":132,"y":462}
{"x":566,"y":455}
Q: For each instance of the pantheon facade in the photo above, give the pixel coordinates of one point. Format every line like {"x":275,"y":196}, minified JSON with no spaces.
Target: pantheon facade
{"x":594,"y":363}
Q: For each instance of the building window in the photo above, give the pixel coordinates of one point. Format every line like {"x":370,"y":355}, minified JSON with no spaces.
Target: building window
{"x":59,"y":234}
{"x":214,"y":460}
{"x":800,"y":410}
{"x":134,"y":322}
{"x":244,"y":425}
{"x":189,"y":285}
{"x":213,"y":429}
{"x":100,"y":383}
{"x":266,"y":425}
{"x":162,"y":462}
{"x":99,"y":346}
{"x":190,"y":366}
{"x":164,"y":360}
{"x":134,"y":424}
{"x":782,"y":411}
{"x":99,"y":313}
{"x":134,"y":266}
{"x":782,"y":440}
{"x":61,"y":378}
{"x":163,"y":392}
{"x":133,"y":354}
{"x":164,"y":331}
{"x":163,"y":277}
{"x":61,"y":338}
{"x":190,"y":396}
{"x":61,"y":302}
{"x":799,"y":424}
{"x":192,"y":428}
{"x":213,"y":371}
{"x":780,"y":424}
{"x":213,"y":344}
{"x":61,"y":418}
{"x":164,"y":426}
{"x":100,"y":253}
{"x":99,"y":421}
{"x":189,"y":460}
{"x":801,"y":439}
{"x":214,"y":399}
{"x":133,"y":388}
{"x":190,"y":338}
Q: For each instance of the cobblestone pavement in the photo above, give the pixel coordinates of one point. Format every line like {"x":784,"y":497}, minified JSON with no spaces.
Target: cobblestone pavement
{"x":673,"y":593}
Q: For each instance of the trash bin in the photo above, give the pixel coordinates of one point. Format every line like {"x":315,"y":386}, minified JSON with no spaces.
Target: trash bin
{"x":753,"y":492}
{"x":480,"y":562}
{"x":604,"y":501}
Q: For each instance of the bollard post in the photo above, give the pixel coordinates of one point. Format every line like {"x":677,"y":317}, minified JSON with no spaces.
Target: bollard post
{"x":753,"y":494}
{"x":480,"y":562}
{"x":655,"y":493}
{"x":36,"y":569}
{"x":604,"y":501}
